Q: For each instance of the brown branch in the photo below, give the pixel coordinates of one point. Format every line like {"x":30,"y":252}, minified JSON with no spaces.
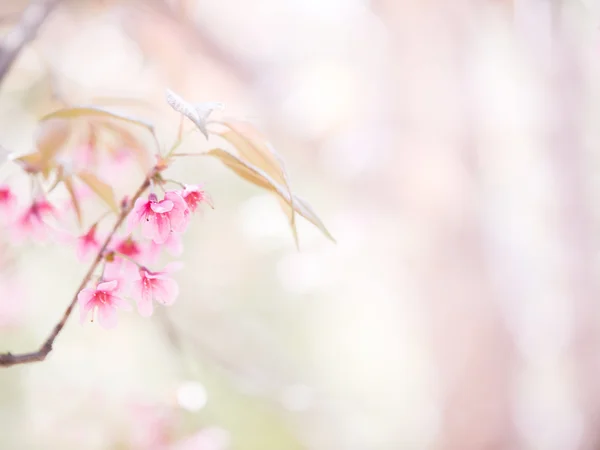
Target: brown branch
{"x":8,"y":359}
{"x":24,"y":32}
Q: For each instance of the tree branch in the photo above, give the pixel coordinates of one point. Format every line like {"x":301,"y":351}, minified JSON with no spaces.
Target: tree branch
{"x":24,"y":32}
{"x":8,"y":359}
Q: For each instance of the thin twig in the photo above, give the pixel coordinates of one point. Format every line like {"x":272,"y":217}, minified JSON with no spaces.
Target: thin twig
{"x":24,"y":32}
{"x":8,"y":359}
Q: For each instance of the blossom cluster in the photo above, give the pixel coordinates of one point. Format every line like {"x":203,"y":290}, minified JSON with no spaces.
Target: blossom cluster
{"x":128,"y":258}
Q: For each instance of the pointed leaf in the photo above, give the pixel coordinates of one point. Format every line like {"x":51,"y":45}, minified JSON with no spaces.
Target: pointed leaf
{"x":258,"y":177}
{"x":198,"y":113}
{"x":51,"y":137}
{"x":305,"y":210}
{"x":102,"y":190}
{"x":31,"y":162}
{"x":68,"y":181}
{"x":62,"y":176}
{"x":257,"y":150}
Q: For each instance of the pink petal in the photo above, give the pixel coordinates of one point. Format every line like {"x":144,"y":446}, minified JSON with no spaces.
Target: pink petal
{"x":166,"y":291}
{"x":108,"y":286}
{"x":112,"y":270}
{"x":85,"y":295}
{"x":162,"y":206}
{"x":118,"y":302}
{"x":178,"y":201}
{"x":179,"y":220}
{"x":144,"y":299}
{"x":85,"y":301}
{"x":174,"y":245}
{"x":107,"y":316}
{"x":137,"y":214}
{"x":149,"y":226}
{"x":163,"y":228}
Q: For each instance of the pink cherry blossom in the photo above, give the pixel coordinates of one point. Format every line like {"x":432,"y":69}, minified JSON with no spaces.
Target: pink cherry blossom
{"x":8,"y":201}
{"x":122,"y":271}
{"x":194,"y":195}
{"x":87,"y":244}
{"x":159,"y":218}
{"x":128,"y":247}
{"x":155,"y":286}
{"x":104,"y":299}
{"x":31,"y":222}
{"x":173,"y":245}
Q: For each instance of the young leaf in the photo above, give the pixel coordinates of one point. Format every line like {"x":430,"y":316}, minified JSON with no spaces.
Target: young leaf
{"x":51,"y":137}
{"x":258,"y":177}
{"x":102,"y":190}
{"x":63,"y":176}
{"x":305,"y":210}
{"x":256,"y":149}
{"x":68,"y":182}
{"x":198,"y":113}
{"x":95,"y":111}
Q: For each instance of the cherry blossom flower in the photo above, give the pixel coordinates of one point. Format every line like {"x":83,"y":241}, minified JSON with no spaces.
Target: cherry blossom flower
{"x":194,"y":195}
{"x":8,"y":200}
{"x":87,"y":244}
{"x":104,"y":299}
{"x":129,"y":247}
{"x":122,"y":271}
{"x":155,"y":286}
{"x":31,"y":222}
{"x":173,"y":245}
{"x":159,"y":218}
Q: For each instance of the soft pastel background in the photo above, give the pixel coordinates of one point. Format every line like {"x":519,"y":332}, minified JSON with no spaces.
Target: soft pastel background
{"x":452,"y":148}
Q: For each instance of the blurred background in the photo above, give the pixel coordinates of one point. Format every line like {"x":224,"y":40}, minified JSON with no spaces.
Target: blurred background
{"x":452,"y":150}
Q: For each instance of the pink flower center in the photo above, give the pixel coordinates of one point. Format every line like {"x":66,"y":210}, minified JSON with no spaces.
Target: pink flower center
{"x":102,"y":297}
{"x":128,"y":248}
{"x":4,"y":195}
{"x":193,"y":198}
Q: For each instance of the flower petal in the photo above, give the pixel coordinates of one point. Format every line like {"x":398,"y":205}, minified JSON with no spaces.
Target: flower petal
{"x":108,"y":286}
{"x":166,"y":291}
{"x":163,"y":228}
{"x":143,"y":299}
{"x":118,"y":302}
{"x":85,"y":295}
{"x":107,"y":316}
{"x":161,"y":207}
